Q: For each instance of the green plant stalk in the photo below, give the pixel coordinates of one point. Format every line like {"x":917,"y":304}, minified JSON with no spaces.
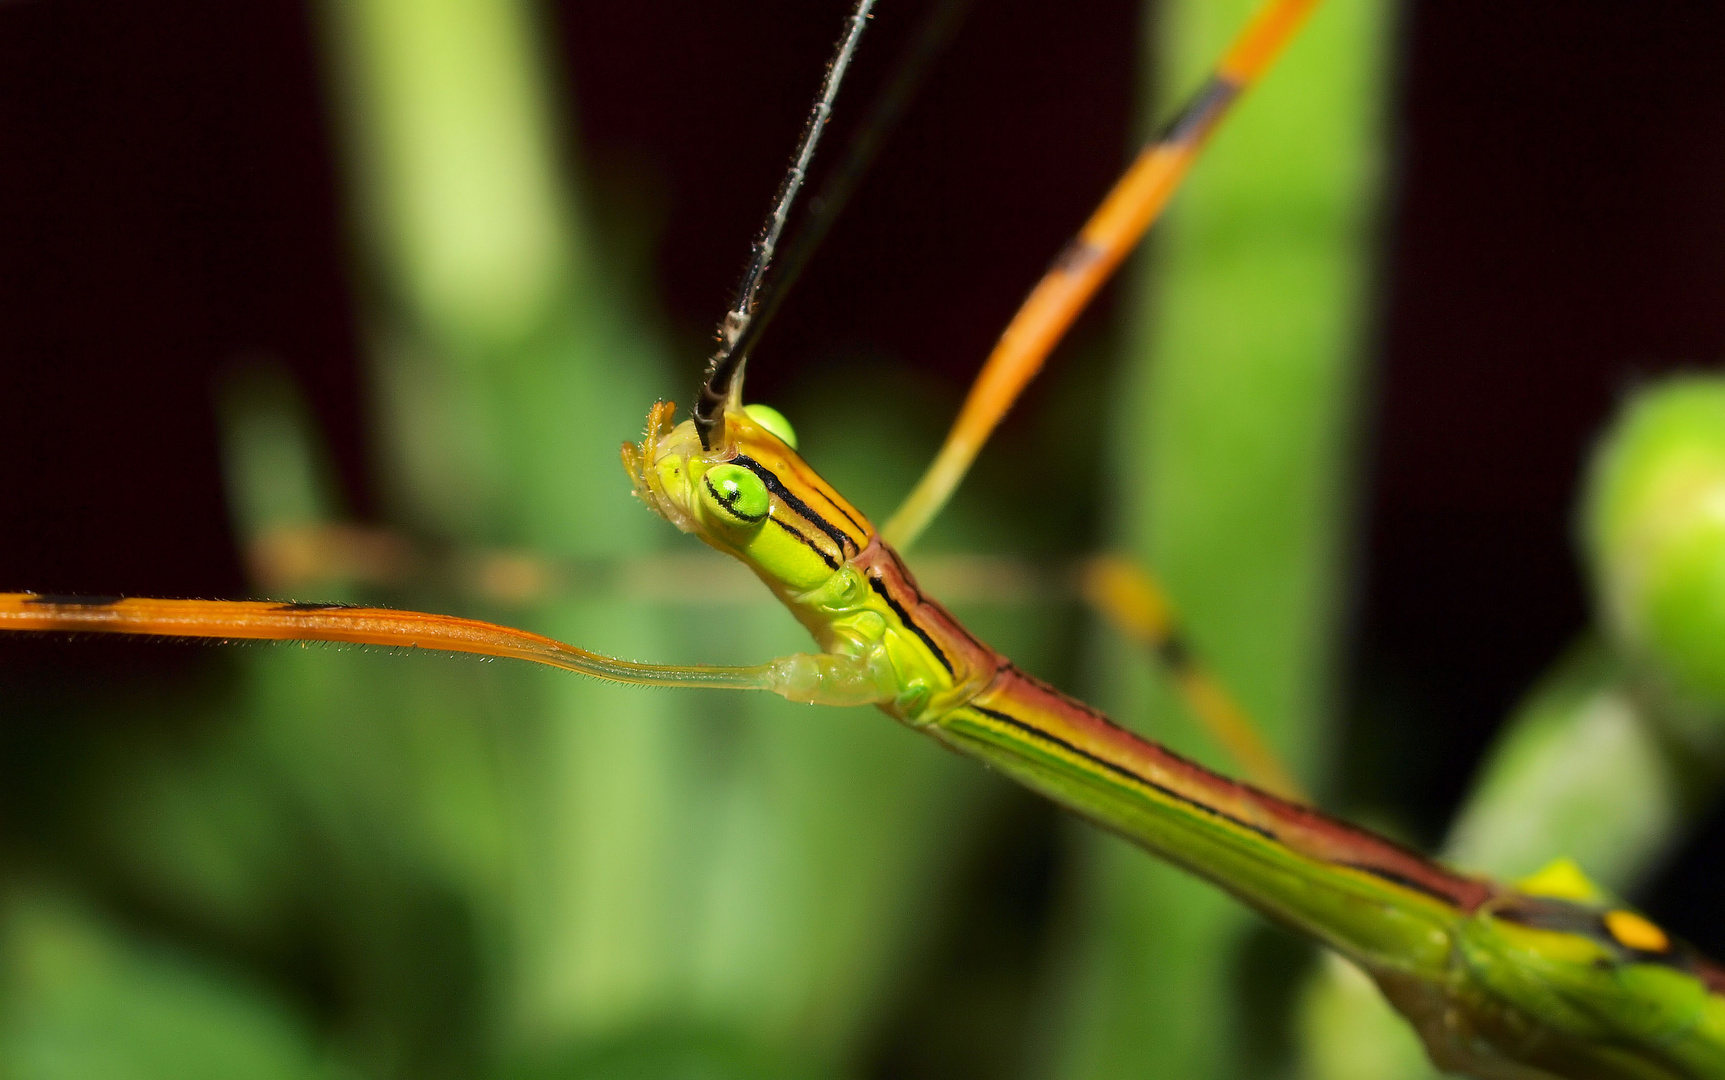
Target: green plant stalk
{"x":1238,"y":434}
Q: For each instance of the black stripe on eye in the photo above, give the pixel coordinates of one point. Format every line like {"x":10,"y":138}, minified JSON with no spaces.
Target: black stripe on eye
{"x":806,"y":542}
{"x":730,"y":504}
{"x":836,"y":534}
{"x":904,"y":616}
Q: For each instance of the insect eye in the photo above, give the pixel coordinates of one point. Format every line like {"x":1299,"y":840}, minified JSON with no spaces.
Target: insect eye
{"x":774,"y":421}
{"x":735,"y":495}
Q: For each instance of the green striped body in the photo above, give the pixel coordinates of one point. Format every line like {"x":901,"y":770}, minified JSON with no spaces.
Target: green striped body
{"x":1499,"y":983}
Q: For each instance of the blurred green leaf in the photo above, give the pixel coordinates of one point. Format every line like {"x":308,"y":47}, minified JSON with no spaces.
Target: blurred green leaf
{"x":1653,"y":528}
{"x":84,"y":999}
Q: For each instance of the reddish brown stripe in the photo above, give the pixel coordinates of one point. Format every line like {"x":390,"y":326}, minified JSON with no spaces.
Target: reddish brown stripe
{"x":969,"y":661}
{"x":1011,"y":693}
{"x":1300,"y":828}
{"x":1711,"y":974}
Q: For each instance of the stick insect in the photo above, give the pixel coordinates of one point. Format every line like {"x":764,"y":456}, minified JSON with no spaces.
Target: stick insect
{"x":1454,"y":952}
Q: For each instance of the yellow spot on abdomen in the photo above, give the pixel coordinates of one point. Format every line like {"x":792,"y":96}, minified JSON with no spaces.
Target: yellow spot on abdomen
{"x":1634,"y":932}
{"x":1561,"y":879}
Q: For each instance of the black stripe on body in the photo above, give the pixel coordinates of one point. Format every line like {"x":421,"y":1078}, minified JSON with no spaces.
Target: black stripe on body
{"x":909,"y":581}
{"x":810,"y":544}
{"x":1121,"y":770}
{"x":1201,"y":113}
{"x":855,"y":524}
{"x":1073,"y":703}
{"x":836,"y":534}
{"x":880,"y":589}
{"x":1401,"y":879}
{"x":1543,"y":914}
{"x":905,"y":575}
{"x":1318,"y":821}
{"x":56,"y":600}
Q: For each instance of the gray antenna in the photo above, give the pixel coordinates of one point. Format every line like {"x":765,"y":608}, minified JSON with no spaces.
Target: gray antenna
{"x":725,"y":370}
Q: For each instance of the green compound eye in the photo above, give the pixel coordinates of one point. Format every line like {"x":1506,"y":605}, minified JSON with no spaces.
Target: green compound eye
{"x":774,"y":421}
{"x":735,"y":495}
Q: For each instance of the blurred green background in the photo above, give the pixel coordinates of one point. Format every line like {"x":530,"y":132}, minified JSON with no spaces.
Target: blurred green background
{"x":356,"y":301}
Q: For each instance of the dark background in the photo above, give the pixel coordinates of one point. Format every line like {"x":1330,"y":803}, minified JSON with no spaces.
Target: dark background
{"x":169,"y":201}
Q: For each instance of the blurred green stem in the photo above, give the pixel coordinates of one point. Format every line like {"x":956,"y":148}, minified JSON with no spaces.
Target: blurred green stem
{"x":1237,"y":436}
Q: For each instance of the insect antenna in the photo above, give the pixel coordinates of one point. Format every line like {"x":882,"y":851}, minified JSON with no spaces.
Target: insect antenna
{"x":724,"y":378}
{"x":938,"y":27}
